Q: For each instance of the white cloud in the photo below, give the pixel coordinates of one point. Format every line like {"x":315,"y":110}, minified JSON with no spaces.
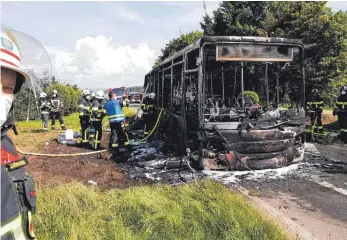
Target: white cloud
{"x":98,"y":63}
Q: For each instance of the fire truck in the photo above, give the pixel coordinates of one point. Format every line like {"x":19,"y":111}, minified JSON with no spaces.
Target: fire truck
{"x":121,"y":92}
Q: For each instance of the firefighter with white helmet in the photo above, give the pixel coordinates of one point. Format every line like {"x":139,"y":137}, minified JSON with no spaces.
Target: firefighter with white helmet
{"x":57,"y":110}
{"x":18,"y":198}
{"x":84,"y":110}
{"x":45,"y":107}
{"x":98,"y":113}
{"x":149,"y":113}
{"x":92,"y":97}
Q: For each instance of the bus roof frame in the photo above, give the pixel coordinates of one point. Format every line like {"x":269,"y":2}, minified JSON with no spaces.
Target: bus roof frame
{"x":232,"y":39}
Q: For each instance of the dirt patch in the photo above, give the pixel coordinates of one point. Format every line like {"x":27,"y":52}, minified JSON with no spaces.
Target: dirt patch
{"x":51,"y":171}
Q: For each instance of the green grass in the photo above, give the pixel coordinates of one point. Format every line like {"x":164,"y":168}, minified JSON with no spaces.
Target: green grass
{"x":204,"y":210}
{"x":30,"y":137}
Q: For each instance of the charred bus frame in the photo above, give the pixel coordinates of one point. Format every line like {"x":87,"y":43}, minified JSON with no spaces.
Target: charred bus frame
{"x":233,"y":136}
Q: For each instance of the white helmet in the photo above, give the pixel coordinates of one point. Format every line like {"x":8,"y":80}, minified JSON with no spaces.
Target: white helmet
{"x":43,"y":95}
{"x":99,"y":94}
{"x":54,"y":93}
{"x":10,"y":58}
{"x":152,"y":95}
{"x":85,"y":92}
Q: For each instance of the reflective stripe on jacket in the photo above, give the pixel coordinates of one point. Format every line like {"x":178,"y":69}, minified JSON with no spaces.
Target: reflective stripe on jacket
{"x":45,"y":106}
{"x":114,"y":111}
{"x":341,"y":103}
{"x":315,"y":104}
{"x":84,"y":107}
{"x":98,"y":112}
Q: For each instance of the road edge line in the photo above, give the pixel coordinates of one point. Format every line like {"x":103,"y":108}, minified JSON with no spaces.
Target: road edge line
{"x":330,"y":186}
{"x":291,"y":227}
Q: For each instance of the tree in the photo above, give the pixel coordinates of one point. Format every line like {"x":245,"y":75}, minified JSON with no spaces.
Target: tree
{"x":178,"y":44}
{"x":236,"y":19}
{"x":323,"y":32}
{"x":68,"y":94}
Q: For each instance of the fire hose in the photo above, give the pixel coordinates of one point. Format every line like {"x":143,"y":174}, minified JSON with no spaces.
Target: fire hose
{"x":155,"y":126}
{"x":87,"y":153}
{"x":63,"y":155}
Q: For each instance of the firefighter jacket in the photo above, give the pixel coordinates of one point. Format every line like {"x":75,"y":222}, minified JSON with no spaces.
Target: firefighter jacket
{"x":45,"y":106}
{"x":18,"y":196}
{"x":56,"y":104}
{"x":84,"y":108}
{"x":114,"y":111}
{"x":341,"y":104}
{"x":149,"y":105}
{"x":98,"y":111}
{"x":125,"y":102}
{"x":315,"y":104}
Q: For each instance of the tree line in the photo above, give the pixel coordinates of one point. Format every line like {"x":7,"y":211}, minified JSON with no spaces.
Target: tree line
{"x":26,"y":105}
{"x":323,"y":31}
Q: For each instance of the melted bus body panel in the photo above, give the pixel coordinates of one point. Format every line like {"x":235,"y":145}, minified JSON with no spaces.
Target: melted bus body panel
{"x":204,"y":90}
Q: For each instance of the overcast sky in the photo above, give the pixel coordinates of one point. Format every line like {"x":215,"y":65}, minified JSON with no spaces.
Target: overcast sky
{"x":106,"y":44}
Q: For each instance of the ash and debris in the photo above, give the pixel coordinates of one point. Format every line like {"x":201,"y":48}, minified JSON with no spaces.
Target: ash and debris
{"x":150,"y":160}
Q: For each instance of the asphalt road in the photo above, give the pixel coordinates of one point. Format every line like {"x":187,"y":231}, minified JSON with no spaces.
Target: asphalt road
{"x":314,"y":195}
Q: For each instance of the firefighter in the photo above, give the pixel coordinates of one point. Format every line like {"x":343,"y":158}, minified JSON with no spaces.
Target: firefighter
{"x":125,"y":101}
{"x":341,"y":111}
{"x":84,"y":110}
{"x":92,"y":97}
{"x":18,"y":197}
{"x":45,"y":107}
{"x":149,"y":113}
{"x":116,"y":118}
{"x":56,"y":111}
{"x":98,"y":113}
{"x":315,"y":108}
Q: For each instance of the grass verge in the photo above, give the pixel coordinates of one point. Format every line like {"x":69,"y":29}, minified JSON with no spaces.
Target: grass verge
{"x":203,"y":210}
{"x":30,"y":137}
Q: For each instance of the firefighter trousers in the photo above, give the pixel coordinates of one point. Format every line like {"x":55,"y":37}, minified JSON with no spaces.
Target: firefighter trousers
{"x":44,"y":118}
{"x":316,"y":121}
{"x":150,"y":119}
{"x":342,"y":118}
{"x":118,"y":135}
{"x":97,"y":126}
{"x":59,"y":116}
{"x":85,"y":123}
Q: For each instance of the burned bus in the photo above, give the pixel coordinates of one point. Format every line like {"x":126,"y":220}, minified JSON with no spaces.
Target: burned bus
{"x":204,"y":90}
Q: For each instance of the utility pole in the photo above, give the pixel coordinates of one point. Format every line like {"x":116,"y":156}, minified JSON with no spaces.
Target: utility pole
{"x":28,"y":111}
{"x":278,"y":83}
{"x":204,"y":4}
{"x":242,"y":87}
{"x":267,"y":83}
